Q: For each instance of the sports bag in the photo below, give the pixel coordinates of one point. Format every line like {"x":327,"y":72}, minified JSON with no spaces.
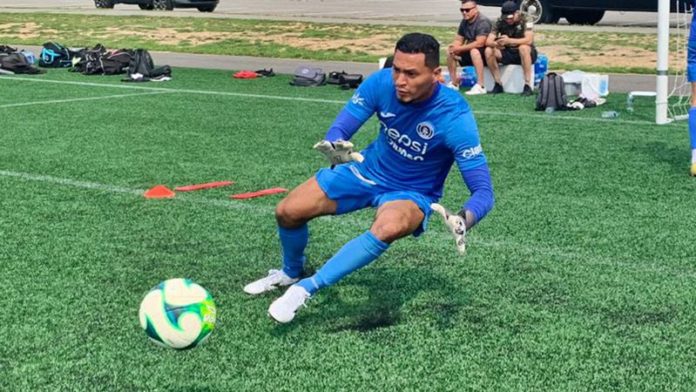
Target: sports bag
{"x":348,"y":81}
{"x":335,"y":77}
{"x":7,"y":49}
{"x":552,"y":93}
{"x":17,"y":63}
{"x":142,"y":69}
{"x":116,"y":62}
{"x":308,"y":77}
{"x":55,"y":55}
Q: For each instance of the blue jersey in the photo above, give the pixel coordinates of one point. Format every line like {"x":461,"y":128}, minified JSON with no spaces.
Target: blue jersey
{"x":417,"y":142}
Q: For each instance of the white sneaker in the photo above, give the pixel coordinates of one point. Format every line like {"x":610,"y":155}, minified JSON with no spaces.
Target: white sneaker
{"x":284,"y":308}
{"x":274,"y":279}
{"x":452,"y":86}
{"x":476,"y":90}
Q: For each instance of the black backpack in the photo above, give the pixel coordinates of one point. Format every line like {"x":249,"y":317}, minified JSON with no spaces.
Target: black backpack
{"x":116,"y":62}
{"x":7,"y":49}
{"x":87,"y":60}
{"x":308,"y":77}
{"x":55,"y":55}
{"x":552,"y":93}
{"x":348,"y":81}
{"x":142,"y":68}
{"x":17,"y":63}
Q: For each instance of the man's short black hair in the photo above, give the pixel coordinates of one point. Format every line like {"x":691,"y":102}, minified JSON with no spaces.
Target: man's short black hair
{"x":421,"y":43}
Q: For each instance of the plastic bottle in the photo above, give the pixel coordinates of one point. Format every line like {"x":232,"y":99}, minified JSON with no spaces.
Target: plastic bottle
{"x":467,"y":77}
{"x":629,"y":103}
{"x":550,"y":110}
{"x":610,"y":114}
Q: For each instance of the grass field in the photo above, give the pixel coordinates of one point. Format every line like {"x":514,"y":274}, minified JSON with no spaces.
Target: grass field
{"x":598,"y":51}
{"x":581,"y":278}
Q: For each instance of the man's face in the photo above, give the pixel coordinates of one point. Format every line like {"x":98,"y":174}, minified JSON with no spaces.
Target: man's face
{"x":414,"y":80}
{"x":515,"y":18}
{"x":469,"y":10}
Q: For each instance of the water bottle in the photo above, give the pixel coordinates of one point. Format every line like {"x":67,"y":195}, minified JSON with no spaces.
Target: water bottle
{"x":610,"y":114}
{"x":468,"y":77}
{"x":629,"y":103}
{"x":541,"y":66}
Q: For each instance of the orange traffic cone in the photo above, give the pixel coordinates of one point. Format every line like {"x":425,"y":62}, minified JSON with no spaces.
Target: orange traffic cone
{"x":159,"y":192}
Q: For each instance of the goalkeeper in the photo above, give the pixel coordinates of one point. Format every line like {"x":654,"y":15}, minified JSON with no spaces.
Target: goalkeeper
{"x":424,"y":129}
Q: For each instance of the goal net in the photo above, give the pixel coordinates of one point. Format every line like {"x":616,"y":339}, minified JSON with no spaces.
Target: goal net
{"x":673,"y":89}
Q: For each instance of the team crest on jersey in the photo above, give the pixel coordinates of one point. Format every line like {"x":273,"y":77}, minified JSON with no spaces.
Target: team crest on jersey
{"x":425,"y":130}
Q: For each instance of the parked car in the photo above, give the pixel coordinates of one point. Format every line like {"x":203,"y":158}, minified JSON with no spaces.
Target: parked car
{"x":580,"y":11}
{"x":202,"y":5}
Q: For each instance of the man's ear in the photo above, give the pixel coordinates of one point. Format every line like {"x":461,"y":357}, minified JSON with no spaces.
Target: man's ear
{"x":437,"y":73}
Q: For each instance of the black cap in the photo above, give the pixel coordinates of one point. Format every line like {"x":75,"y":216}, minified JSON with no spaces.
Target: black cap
{"x":509,"y":8}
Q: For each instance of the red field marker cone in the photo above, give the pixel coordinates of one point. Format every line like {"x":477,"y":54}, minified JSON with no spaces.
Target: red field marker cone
{"x":263,"y":192}
{"x":207,"y":185}
{"x":159,"y":192}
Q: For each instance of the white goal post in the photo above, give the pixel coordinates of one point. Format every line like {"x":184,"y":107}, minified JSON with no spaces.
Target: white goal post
{"x":673,"y":91}
{"x":661,"y":101}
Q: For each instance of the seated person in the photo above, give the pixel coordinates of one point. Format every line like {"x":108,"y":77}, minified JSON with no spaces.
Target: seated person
{"x":469,"y":45}
{"x":511,"y":41}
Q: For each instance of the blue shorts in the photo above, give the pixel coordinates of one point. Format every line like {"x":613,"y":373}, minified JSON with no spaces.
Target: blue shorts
{"x":691,"y":61}
{"x":352,"y":191}
{"x":691,"y":73}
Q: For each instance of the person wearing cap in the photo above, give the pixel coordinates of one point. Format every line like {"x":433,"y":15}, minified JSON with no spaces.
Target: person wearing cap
{"x":511,"y":41}
{"x":469,"y":46}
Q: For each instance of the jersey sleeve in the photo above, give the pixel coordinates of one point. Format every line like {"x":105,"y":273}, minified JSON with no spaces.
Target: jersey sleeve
{"x":464,"y":142}
{"x":364,"y":102}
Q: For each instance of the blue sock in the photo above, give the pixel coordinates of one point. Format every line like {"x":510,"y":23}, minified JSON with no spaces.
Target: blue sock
{"x":357,"y":253}
{"x":692,"y":127}
{"x":293,"y":243}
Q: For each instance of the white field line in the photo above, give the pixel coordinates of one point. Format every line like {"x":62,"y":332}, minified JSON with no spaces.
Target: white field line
{"x":319,"y":100}
{"x":171,"y":90}
{"x":54,"y":101}
{"x":652,"y":266}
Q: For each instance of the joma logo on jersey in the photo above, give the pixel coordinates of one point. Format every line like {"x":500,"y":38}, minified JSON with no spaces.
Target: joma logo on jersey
{"x":404,"y":145}
{"x":472,"y":152}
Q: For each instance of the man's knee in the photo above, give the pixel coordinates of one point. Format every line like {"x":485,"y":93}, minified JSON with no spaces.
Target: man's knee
{"x":289,"y":214}
{"x":525,"y":50}
{"x":475,"y":55}
{"x":396,"y":221}
{"x":390,"y":230}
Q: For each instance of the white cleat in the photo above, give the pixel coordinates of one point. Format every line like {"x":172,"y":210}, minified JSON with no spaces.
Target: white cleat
{"x":284,"y":308}
{"x":275,"y":279}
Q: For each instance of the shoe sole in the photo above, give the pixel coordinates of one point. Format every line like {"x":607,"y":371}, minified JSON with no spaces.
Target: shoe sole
{"x":272,"y":288}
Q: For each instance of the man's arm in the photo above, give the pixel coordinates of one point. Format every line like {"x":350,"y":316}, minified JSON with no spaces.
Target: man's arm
{"x":478,"y":43}
{"x":490,"y":40}
{"x":478,"y":180}
{"x":528,"y":39}
{"x":335,"y":145}
{"x":344,"y":127}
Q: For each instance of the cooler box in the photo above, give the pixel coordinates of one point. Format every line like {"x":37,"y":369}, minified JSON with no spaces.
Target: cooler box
{"x":511,"y":76}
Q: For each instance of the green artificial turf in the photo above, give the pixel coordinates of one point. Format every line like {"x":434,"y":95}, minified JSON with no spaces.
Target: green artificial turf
{"x":581,"y":278}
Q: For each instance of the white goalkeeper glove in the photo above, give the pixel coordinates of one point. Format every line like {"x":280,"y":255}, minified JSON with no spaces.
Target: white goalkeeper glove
{"x":456,"y":225}
{"x":338,"y":152}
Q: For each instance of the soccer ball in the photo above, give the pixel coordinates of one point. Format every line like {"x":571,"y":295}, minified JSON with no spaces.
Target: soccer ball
{"x":178,"y":313}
